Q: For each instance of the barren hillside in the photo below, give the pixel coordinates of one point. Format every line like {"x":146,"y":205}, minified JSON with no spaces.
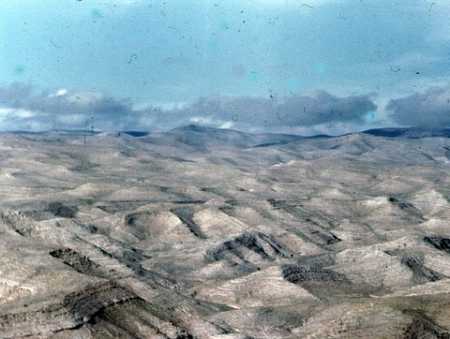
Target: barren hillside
{"x":205,"y":233}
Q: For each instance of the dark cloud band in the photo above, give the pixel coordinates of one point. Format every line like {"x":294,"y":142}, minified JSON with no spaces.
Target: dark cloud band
{"x":65,"y":109}
{"x":428,"y":109}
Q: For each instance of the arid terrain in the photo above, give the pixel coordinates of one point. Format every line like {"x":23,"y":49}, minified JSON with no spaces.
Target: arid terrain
{"x":209,"y":233}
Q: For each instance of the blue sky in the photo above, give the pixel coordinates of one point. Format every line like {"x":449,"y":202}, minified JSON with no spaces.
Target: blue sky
{"x":151,"y":61}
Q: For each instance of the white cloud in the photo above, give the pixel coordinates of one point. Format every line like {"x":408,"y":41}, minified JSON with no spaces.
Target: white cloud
{"x":8,"y":113}
{"x":228,"y":124}
{"x":202,"y":120}
{"x":61,"y":92}
{"x":210,"y":121}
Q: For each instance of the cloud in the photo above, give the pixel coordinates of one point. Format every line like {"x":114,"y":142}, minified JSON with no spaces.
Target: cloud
{"x":62,"y":108}
{"x":294,"y":111}
{"x":428,"y":109}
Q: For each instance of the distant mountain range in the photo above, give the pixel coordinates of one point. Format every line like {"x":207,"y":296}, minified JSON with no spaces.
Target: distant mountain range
{"x":197,"y":135}
{"x":391,"y":132}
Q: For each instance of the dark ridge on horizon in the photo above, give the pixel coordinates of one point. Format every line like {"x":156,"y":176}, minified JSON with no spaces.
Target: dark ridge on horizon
{"x":135,"y":134}
{"x":387,"y":132}
{"x":409,"y":132}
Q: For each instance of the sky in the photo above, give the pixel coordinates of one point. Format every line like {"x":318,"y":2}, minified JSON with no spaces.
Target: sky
{"x":297,"y":66}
